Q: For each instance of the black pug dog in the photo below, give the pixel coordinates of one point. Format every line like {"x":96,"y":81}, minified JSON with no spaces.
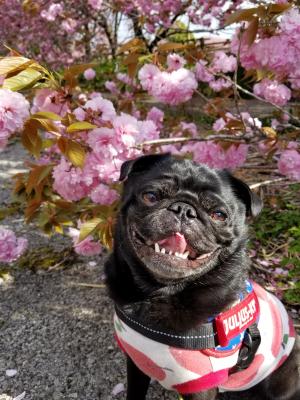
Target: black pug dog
{"x":186,"y":315}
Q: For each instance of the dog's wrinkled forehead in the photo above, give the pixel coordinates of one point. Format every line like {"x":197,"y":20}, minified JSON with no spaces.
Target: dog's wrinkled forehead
{"x":183,"y":174}
{"x":166,"y":170}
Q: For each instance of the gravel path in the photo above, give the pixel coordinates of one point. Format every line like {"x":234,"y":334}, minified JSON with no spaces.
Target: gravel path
{"x":55,"y":333}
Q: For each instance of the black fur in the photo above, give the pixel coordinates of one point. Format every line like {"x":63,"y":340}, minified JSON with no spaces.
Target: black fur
{"x":173,"y":297}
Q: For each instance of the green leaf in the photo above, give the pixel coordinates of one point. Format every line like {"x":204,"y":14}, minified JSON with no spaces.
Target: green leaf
{"x":46,"y":115}
{"x":132,"y":45}
{"x":11,"y":64}
{"x":75,"y":153}
{"x":79,"y":69}
{"x":24,"y":79}
{"x":171,"y":46}
{"x":89,"y":227}
{"x":30,"y":138}
{"x":10,"y":210}
{"x":251,"y":32}
{"x":37,"y":175}
{"x":244,"y":15}
{"x":80,"y":126}
{"x":44,"y":124}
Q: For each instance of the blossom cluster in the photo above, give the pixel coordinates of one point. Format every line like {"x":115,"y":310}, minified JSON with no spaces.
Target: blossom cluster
{"x":221,"y":63}
{"x":14,"y":109}
{"x":161,"y":13}
{"x":279,"y":53}
{"x":114,"y":141}
{"x":273,"y":91}
{"x":52,"y":31}
{"x":86,"y":247}
{"x":11,"y":247}
{"x":171,"y":87}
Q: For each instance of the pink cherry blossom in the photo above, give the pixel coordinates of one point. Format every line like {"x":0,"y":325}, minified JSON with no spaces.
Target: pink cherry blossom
{"x":147,"y":131}
{"x":79,"y":114}
{"x":290,"y":21}
{"x":103,"y":142}
{"x":202,"y":73}
{"x":250,"y":121}
{"x":266,"y":146}
{"x":223,"y":63}
{"x":175,"y":62}
{"x":95,"y":4}
{"x":170,"y":148}
{"x":126,"y":128}
{"x":219,"y":84}
{"x":69,"y":25}
{"x":273,"y":91}
{"x":70,"y":182}
{"x":190,"y":128}
{"x":106,"y":170}
{"x":112,"y":87}
{"x":175,"y":87}
{"x":289,"y":164}
{"x":14,"y":109}
{"x":53,"y":11}
{"x":219,"y":125}
{"x":87,"y":247}
{"x":147,"y":74}
{"x":89,"y":74}
{"x":124,"y":78}
{"x":11,"y":247}
{"x":49,"y":100}
{"x":157,"y":116}
{"x":103,"y":107}
{"x":102,"y":194}
{"x":215,"y":156}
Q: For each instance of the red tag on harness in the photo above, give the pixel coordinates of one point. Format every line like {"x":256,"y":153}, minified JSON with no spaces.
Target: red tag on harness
{"x":234,"y":321}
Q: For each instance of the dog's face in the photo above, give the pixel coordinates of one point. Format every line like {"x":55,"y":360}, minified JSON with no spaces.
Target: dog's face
{"x":180,"y":219}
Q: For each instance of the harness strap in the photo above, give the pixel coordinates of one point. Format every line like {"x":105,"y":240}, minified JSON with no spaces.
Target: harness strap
{"x":249,"y":348}
{"x":202,"y":337}
{"x":225,"y":326}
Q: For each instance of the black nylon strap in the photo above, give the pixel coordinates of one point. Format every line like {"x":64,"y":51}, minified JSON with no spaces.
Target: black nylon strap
{"x":248,"y":349}
{"x":203,"y":337}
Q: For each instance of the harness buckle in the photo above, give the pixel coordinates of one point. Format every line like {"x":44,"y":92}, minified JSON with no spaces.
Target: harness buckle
{"x":249,"y":348}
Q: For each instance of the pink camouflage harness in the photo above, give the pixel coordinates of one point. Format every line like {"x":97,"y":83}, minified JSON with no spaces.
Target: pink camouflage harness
{"x":190,"y":371}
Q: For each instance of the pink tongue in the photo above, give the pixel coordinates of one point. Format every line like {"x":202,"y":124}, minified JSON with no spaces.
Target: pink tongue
{"x":174,"y":243}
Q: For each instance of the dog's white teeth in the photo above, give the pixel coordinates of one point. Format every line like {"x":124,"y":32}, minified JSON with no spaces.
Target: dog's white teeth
{"x":163,"y":250}
{"x":156,"y":246}
{"x":179,"y":255}
{"x":185,"y":255}
{"x":170,"y":252}
{"x":203,"y":256}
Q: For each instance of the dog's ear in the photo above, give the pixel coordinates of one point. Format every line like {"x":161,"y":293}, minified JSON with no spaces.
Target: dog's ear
{"x":141,"y":164}
{"x":252,"y":202}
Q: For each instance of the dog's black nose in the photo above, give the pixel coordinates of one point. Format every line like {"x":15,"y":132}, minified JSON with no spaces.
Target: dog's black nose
{"x":183,"y":209}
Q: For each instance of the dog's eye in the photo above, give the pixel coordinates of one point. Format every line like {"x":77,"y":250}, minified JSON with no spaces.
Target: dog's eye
{"x":218,"y":215}
{"x":150,"y":198}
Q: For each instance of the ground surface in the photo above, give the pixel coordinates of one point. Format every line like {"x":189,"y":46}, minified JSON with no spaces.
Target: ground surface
{"x":55,"y":332}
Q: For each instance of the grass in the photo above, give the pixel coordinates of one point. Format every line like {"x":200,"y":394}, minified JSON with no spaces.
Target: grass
{"x":276,"y":238}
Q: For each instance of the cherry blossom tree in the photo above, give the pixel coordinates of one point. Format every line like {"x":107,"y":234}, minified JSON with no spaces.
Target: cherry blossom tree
{"x":79,"y":138}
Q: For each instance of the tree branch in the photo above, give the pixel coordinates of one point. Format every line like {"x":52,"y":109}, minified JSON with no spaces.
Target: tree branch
{"x":177,"y":140}
{"x":293,"y":118}
{"x":164,"y":33}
